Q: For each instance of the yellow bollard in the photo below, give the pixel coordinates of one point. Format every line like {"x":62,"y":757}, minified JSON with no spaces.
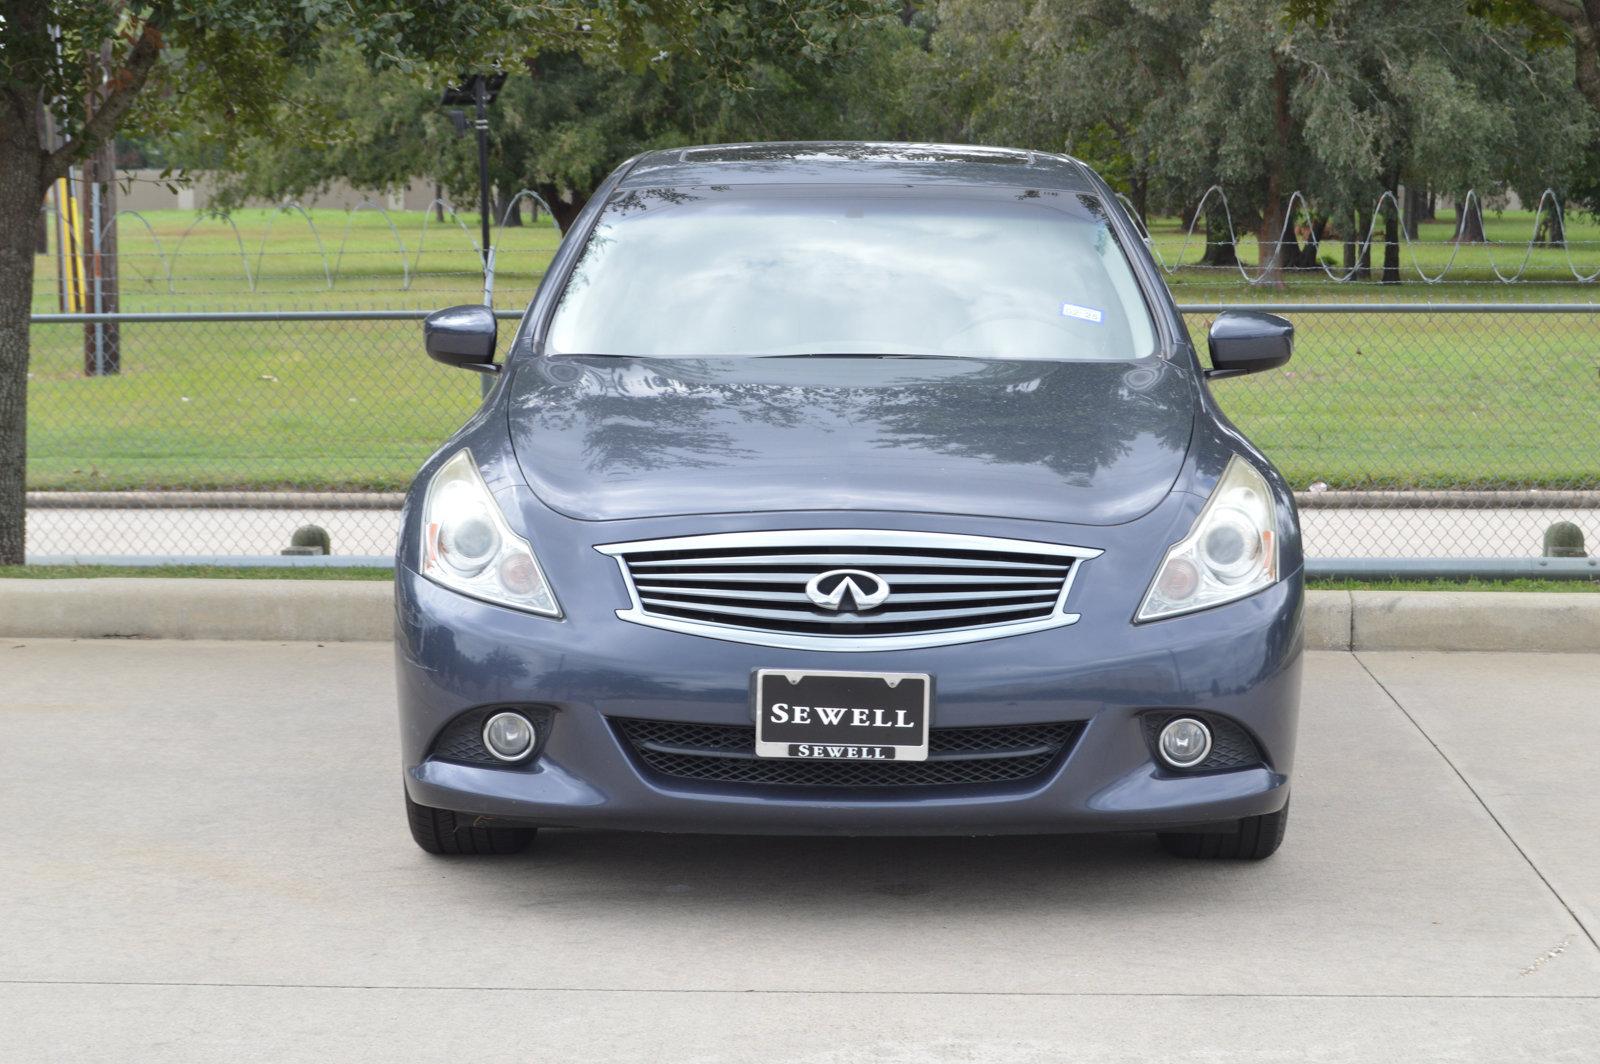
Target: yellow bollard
{"x":71,"y":246}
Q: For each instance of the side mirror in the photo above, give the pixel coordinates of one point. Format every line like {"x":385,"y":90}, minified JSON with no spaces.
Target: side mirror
{"x":462,"y":336}
{"x":1248,"y":341}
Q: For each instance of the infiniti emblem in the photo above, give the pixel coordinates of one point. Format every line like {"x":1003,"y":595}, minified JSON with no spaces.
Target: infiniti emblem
{"x":847,"y":590}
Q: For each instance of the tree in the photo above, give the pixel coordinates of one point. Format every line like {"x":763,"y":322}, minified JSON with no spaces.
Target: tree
{"x":219,"y":70}
{"x":1573,"y":23}
{"x":1356,"y":99}
{"x":565,"y":118}
{"x":1562,"y":36}
{"x":1567,"y":23}
{"x":1085,"y":76}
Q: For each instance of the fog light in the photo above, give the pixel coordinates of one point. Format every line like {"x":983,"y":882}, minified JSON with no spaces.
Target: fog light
{"x":1185,"y":743}
{"x":509,"y":736}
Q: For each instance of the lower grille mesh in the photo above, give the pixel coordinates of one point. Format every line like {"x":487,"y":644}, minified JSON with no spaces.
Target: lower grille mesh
{"x":956,"y":756}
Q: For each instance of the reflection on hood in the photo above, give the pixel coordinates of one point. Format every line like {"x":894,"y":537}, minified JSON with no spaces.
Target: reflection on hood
{"x":603,"y":438}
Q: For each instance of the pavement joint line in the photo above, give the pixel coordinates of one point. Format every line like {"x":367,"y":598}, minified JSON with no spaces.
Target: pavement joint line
{"x":1551,"y":887}
{"x":800,"y":991}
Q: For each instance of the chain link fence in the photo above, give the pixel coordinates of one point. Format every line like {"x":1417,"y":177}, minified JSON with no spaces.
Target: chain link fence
{"x":1445,"y":431}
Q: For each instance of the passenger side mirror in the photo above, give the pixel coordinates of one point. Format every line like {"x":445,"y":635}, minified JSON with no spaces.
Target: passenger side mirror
{"x":462,"y":336}
{"x":1248,"y":341}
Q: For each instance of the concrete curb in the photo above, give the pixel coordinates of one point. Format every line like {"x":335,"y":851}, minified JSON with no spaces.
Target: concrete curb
{"x":329,"y":611}
{"x":1548,"y":621}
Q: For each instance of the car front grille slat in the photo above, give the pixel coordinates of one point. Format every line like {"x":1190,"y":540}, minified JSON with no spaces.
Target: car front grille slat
{"x":940,"y":588}
{"x":885,"y":617}
{"x":900,"y":580}
{"x":725,"y":754}
{"x":647,"y":591}
{"x":845,"y":560}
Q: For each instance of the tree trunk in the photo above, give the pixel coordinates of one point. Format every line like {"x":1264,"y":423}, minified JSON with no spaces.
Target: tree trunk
{"x":1469,"y":221}
{"x":1363,"y":230}
{"x":1359,"y":253}
{"x":1430,"y":206}
{"x":1274,"y":231}
{"x":1357,"y":256}
{"x":1220,"y":250}
{"x":506,"y":214}
{"x":1271,"y":236}
{"x":1585,"y":27}
{"x":1412,"y":215}
{"x":561,"y":210}
{"x":1305,"y":256}
{"x":1186,"y":216}
{"x":1391,"y":243}
{"x":438,"y":203}
{"x":1552,"y":231}
{"x":20,"y":165}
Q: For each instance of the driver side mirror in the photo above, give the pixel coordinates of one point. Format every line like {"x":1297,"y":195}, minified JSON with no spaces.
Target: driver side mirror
{"x":462,"y":336}
{"x":1248,"y":341}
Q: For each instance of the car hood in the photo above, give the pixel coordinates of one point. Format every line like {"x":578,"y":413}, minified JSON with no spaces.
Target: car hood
{"x":603,"y":438}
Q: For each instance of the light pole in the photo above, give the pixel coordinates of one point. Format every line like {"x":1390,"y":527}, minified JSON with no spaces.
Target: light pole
{"x":478,"y":90}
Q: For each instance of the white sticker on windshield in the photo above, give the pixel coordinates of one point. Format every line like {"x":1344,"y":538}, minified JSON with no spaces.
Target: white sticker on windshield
{"x":1072,"y":310}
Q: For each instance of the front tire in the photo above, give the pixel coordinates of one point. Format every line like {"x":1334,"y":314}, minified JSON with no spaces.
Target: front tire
{"x":447,"y":834}
{"x":1257,"y":839}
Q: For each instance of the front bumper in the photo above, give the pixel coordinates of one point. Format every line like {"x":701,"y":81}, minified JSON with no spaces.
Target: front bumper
{"x":1240,"y":661}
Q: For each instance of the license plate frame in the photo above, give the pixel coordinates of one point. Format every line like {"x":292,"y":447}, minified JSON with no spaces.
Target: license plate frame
{"x":897,"y":706}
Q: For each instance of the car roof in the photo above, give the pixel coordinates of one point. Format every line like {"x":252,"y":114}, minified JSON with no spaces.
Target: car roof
{"x":856,"y":162}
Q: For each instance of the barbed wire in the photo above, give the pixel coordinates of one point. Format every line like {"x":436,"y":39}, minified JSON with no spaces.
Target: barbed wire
{"x":1299,"y":205}
{"x":330,"y":262}
{"x":331,"y":271}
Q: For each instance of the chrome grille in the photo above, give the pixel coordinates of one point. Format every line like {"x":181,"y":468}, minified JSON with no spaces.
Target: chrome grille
{"x":942,"y":588}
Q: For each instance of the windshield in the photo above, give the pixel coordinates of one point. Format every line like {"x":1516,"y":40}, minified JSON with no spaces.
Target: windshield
{"x":853,"y":270}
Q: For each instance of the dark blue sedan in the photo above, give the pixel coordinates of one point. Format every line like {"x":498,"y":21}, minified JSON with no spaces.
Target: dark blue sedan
{"x":851,"y":489}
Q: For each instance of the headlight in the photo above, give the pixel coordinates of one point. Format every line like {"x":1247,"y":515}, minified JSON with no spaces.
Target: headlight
{"x":467,"y":544}
{"x":1231,"y":552}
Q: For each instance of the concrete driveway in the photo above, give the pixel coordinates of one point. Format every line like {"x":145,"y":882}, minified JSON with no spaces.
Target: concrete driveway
{"x":203,"y":859}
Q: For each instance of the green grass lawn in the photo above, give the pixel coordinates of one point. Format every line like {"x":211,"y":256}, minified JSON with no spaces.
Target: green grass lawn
{"x":348,"y":405}
{"x":1578,"y":586}
{"x":1370,"y":401}
{"x":1397,"y":401}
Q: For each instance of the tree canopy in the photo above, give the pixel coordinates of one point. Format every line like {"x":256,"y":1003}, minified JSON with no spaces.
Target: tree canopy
{"x":1340,"y":100}
{"x":565,"y":116}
